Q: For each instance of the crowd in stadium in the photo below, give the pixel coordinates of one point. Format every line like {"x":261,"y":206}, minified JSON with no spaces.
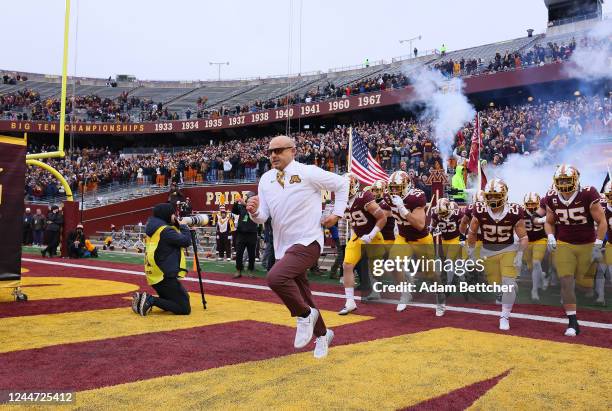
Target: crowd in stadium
{"x":519,"y":129}
{"x":26,"y":104}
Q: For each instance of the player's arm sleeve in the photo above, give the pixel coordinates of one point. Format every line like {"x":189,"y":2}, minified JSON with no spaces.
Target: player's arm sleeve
{"x":324,"y":180}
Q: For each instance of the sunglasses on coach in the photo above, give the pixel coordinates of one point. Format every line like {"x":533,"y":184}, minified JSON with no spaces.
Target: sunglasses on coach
{"x":277,"y":150}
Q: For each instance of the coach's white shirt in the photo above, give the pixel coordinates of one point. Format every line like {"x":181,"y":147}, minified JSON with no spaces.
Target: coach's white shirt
{"x":296,"y":208}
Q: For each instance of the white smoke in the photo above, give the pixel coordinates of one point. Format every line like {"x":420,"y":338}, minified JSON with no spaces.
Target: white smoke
{"x":593,"y":62}
{"x":535,"y":172}
{"x":446,"y":106}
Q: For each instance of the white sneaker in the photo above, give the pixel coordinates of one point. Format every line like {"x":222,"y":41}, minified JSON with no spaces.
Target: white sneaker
{"x":350,"y":306}
{"x":600,"y":300}
{"x":305,"y":327}
{"x":405,"y":298}
{"x":322,"y":344}
{"x":570,"y":332}
{"x":504,"y":324}
{"x":440,"y":309}
{"x":534,"y":295}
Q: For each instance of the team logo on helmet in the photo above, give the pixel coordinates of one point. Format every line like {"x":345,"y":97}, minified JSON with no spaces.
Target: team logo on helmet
{"x":531,"y":201}
{"x":478,"y":197}
{"x":496,"y":193}
{"x":379,"y":188}
{"x":566,"y":178}
{"x":399,"y":184}
{"x":353,"y":184}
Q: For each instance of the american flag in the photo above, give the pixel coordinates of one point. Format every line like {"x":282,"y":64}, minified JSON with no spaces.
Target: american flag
{"x":363,"y":164}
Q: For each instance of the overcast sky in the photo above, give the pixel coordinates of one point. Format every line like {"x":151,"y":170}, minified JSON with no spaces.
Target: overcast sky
{"x":176,"y":40}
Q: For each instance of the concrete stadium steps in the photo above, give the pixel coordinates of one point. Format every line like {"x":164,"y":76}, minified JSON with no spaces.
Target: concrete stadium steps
{"x":487,"y":51}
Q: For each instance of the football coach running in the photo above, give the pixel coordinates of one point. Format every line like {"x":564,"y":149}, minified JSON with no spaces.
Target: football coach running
{"x":290,"y":193}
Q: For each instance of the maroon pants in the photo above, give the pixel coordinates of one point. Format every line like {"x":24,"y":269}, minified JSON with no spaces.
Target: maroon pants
{"x":288,"y":280}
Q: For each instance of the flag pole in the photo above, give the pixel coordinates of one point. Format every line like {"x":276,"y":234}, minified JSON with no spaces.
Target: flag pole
{"x":350,"y":149}
{"x":479,"y":148}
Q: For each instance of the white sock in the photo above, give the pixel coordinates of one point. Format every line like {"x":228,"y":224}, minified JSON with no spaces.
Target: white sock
{"x":350,"y":294}
{"x":600,"y":280}
{"x":506,"y":310}
{"x":536,"y":276}
{"x":508,"y":297}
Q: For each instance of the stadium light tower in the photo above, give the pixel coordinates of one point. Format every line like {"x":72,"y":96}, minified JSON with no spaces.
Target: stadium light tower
{"x":409,"y":41}
{"x":225,"y":63}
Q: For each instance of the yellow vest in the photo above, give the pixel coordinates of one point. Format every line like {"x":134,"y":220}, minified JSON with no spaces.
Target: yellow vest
{"x":152,"y":271}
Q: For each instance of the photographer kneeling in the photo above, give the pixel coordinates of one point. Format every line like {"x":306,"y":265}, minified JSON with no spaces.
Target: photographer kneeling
{"x":165,"y":263}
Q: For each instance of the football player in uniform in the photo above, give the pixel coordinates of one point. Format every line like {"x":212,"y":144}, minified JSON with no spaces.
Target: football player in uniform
{"x":534,"y":254}
{"x":367,"y":220}
{"x":499,"y":220}
{"x":413,"y":240}
{"x":605,"y":266}
{"x":571,"y":214}
{"x":465,"y":223}
{"x":445,"y":222}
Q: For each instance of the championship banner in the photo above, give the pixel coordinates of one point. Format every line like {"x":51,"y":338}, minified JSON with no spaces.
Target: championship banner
{"x":12,"y":181}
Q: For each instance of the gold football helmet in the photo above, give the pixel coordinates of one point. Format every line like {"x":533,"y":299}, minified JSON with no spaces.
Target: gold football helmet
{"x":496,"y":193}
{"x":566,"y":178}
{"x":531,"y":201}
{"x":399,"y":183}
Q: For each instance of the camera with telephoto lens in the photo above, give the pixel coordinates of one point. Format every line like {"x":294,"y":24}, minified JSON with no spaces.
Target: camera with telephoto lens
{"x":199,"y":220}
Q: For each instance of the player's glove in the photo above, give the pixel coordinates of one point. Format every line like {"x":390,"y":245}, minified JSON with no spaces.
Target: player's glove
{"x":552,"y":243}
{"x":367,"y":238}
{"x":398,"y":202}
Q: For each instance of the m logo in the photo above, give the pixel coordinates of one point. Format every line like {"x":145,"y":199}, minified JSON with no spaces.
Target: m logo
{"x":295,"y":179}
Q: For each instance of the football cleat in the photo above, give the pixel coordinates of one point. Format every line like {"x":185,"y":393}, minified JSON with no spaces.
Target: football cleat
{"x":504,"y":324}
{"x":531,"y":202}
{"x":348,"y":308}
{"x":496,"y":193}
{"x":440,"y":309}
{"x":399,"y":184}
{"x":405,"y":298}
{"x":566,"y":178}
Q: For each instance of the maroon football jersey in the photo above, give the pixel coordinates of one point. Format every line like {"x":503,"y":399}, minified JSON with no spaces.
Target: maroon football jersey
{"x":414,"y":199}
{"x":388,"y":231}
{"x":498,"y":230}
{"x":449,"y":226}
{"x":608,"y":210}
{"x":362,"y":222}
{"x":535,"y":232}
{"x":573,"y":221}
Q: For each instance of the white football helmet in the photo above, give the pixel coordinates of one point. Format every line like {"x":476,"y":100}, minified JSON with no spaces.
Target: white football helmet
{"x":608,"y":192}
{"x":399,"y":183}
{"x":353,"y":184}
{"x":443,"y":208}
{"x":379,"y":189}
{"x":532,"y":201}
